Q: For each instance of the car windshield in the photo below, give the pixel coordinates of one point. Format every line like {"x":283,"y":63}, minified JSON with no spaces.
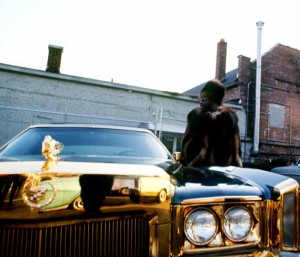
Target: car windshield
{"x":87,"y":141}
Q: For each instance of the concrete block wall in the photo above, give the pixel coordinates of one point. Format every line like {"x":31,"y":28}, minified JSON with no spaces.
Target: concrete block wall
{"x":29,"y":97}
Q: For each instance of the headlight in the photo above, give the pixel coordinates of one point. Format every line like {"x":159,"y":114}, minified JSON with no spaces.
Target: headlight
{"x":238,"y":223}
{"x":201,"y":226}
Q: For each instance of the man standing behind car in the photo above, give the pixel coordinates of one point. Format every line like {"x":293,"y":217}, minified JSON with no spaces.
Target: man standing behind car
{"x":212,"y":133}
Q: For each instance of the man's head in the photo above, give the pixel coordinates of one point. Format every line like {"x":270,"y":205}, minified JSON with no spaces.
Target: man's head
{"x":212,"y":94}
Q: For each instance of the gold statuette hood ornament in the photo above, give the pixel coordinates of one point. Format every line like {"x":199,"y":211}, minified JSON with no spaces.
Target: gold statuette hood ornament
{"x":50,"y":149}
{"x":36,"y":196}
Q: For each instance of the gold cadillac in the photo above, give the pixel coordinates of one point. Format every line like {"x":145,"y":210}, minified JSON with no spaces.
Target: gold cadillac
{"x":82,"y":190}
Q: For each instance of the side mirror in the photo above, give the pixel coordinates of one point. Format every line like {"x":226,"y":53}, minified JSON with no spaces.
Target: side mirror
{"x":178,"y":156}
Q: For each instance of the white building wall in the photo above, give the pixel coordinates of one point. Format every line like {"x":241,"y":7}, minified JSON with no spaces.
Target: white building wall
{"x":30,"y":97}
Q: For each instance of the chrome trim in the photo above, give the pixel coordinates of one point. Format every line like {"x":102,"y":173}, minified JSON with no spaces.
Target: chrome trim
{"x":267,"y":226}
{"x":180,"y":244}
{"x":224,"y":199}
{"x":289,"y":186}
{"x":131,"y":235}
{"x":220,"y":249}
{"x":286,"y":185}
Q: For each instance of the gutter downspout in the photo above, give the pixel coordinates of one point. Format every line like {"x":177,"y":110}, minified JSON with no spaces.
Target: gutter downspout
{"x":247,"y":118}
{"x":161,"y":123}
{"x":259,"y":25}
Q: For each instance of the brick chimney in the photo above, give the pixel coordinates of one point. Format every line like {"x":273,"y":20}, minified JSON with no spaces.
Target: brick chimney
{"x":244,"y":68}
{"x":54,"y":58}
{"x":221,"y":59}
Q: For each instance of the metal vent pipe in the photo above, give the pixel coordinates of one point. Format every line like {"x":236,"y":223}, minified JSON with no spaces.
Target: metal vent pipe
{"x":259,"y":25}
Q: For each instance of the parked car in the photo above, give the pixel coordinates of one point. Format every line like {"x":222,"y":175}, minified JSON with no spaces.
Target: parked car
{"x":134,"y":199}
{"x":292,"y":171}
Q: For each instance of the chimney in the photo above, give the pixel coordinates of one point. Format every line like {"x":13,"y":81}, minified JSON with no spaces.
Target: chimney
{"x":54,"y":58}
{"x":244,"y":68}
{"x":221,"y":59}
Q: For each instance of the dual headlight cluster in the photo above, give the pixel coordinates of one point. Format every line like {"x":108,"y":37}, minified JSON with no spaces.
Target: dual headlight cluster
{"x":202,"y":225}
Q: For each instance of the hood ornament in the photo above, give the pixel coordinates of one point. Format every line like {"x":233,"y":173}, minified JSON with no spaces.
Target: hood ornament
{"x":36,"y":196}
{"x":50,"y":149}
{"x":33,"y":194}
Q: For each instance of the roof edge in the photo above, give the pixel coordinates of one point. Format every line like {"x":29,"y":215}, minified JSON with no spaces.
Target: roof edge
{"x":95,"y":82}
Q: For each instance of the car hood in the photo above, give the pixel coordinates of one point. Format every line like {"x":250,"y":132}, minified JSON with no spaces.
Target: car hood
{"x":225,"y":183}
{"x":186,"y":185}
{"x":204,"y":181}
{"x":293,"y":169}
{"x":50,"y":186}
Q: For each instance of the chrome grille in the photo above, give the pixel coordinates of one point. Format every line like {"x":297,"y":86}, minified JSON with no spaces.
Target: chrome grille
{"x":119,"y":237}
{"x":287,"y":218}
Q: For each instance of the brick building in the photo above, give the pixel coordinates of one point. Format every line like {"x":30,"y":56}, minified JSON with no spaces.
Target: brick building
{"x":279,"y":131}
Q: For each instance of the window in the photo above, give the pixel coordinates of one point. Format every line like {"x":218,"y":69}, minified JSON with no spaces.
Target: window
{"x":276,"y":115}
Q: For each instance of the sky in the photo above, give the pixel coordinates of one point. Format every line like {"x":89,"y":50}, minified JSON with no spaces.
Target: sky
{"x":167,"y":45}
